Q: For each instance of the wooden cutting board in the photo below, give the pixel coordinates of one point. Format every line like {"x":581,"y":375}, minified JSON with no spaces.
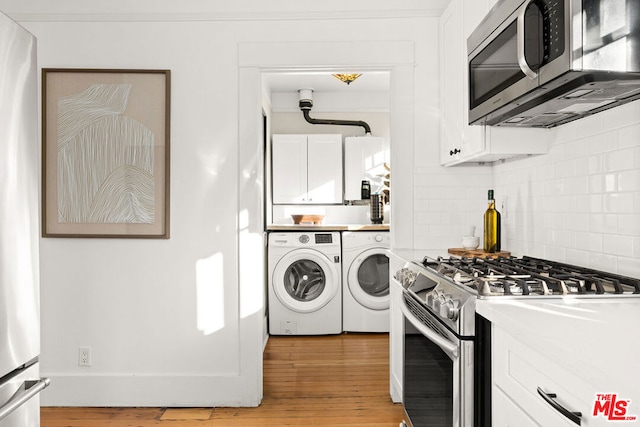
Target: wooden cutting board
{"x":477,"y":253}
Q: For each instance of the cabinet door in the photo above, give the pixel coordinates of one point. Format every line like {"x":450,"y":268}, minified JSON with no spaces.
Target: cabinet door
{"x":289,"y":168}
{"x":364,"y":158}
{"x":519,"y":370}
{"x":474,"y":139}
{"x":452,"y":66}
{"x":324,"y":168}
{"x":507,"y":413}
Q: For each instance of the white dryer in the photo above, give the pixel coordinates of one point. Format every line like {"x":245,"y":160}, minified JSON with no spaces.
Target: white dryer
{"x":305,"y":283}
{"x":365,"y":281}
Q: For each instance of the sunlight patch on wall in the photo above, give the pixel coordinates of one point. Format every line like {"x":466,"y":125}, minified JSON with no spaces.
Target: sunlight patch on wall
{"x":210,"y":294}
{"x":252,"y":253}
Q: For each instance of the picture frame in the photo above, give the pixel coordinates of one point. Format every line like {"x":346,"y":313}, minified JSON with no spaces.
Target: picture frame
{"x":105,"y":153}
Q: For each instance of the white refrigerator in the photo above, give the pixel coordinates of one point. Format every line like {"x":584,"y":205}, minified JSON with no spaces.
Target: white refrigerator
{"x":20,"y":381}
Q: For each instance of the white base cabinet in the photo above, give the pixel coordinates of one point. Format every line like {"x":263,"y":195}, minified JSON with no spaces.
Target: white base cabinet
{"x":518,"y":372}
{"x":459,"y":141}
{"x":306,"y":168}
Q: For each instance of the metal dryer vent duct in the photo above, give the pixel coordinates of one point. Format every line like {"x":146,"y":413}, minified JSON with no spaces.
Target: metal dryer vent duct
{"x":306,"y":102}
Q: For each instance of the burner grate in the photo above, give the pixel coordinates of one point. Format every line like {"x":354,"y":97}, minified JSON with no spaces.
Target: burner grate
{"x":530,"y":276}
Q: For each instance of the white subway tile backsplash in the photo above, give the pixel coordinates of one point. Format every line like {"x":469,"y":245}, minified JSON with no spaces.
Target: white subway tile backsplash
{"x":619,"y":160}
{"x":577,"y":257}
{"x":610,"y":181}
{"x":629,"y":180}
{"x":629,"y":266}
{"x":621,"y":116}
{"x":565,"y":168}
{"x":589,"y":241}
{"x":603,"y":223}
{"x":602,"y":143}
{"x":595,"y":164}
{"x":629,"y":224}
{"x":577,"y":221}
{"x":617,"y":245}
{"x":596,"y":204}
{"x":596,"y":183}
{"x":618,"y":203}
{"x":565,"y":133}
{"x":629,"y":136}
{"x":580,"y":203}
{"x":603,"y":261}
{"x":556,"y":253}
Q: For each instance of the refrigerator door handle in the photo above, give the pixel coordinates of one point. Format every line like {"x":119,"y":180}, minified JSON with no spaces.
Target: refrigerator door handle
{"x":27,"y":391}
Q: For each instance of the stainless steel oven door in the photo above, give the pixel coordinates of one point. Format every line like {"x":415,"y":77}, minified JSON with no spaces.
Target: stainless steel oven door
{"x":438,"y":373}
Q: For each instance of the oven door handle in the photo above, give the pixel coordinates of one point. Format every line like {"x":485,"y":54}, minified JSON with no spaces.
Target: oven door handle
{"x":447,"y":346}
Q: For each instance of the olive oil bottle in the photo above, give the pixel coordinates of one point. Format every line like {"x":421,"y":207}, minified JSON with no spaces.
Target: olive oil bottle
{"x":491,"y":226}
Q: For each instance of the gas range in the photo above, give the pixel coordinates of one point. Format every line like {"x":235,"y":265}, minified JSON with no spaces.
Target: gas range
{"x":528,"y":276}
{"x":448,"y":287}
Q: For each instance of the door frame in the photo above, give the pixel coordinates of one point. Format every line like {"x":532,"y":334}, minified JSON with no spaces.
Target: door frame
{"x":254,"y":58}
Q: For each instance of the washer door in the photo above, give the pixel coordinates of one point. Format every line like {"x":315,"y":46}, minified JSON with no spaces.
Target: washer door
{"x":305,"y":280}
{"x":368,"y":279}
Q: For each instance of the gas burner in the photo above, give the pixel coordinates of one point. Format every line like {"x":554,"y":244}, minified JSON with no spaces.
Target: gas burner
{"x":528,"y":276}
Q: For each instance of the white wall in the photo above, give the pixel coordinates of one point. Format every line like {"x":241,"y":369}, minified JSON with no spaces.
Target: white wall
{"x":180,"y":321}
{"x":581,"y":202}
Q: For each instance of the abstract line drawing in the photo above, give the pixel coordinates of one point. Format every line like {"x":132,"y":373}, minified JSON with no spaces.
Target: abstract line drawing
{"x":105,"y":159}
{"x":105,"y":163}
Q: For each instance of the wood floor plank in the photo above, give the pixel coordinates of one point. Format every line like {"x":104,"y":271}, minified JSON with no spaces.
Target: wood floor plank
{"x":337,"y":380}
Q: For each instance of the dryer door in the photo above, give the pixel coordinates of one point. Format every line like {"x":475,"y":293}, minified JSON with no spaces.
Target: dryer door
{"x":305,"y":280}
{"x":368,"y":279}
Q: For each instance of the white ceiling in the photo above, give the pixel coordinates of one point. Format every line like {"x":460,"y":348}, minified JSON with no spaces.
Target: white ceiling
{"x":323,"y":81}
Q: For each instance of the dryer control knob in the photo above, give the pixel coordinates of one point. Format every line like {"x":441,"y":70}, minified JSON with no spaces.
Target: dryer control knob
{"x":378,"y":238}
{"x":304,"y":238}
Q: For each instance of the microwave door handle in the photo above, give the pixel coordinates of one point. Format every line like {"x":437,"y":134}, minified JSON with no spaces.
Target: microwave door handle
{"x":522,"y":60}
{"x":448,"y":347}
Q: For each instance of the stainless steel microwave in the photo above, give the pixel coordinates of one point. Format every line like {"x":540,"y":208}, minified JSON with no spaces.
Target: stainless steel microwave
{"x":543,"y":63}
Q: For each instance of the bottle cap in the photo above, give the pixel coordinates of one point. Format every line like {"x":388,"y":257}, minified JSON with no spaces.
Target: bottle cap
{"x":490,"y":194}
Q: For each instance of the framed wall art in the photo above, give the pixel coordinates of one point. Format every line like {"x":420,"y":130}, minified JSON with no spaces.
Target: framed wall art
{"x":105,"y":153}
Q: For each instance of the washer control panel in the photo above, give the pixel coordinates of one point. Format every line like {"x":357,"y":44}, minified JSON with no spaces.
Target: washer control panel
{"x":323,"y":238}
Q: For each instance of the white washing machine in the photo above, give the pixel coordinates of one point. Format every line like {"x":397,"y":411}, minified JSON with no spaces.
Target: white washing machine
{"x":365,"y":281}
{"x":305,"y":283}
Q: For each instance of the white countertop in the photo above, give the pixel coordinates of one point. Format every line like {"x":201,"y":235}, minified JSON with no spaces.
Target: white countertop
{"x":596,"y":339}
{"x":328,"y":227}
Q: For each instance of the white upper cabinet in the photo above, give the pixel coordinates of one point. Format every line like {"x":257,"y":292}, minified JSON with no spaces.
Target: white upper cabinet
{"x":461,"y":142}
{"x":307,"y":169}
{"x":365,"y":158}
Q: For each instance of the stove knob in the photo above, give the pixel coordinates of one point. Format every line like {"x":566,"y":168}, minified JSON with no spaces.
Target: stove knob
{"x":454,"y":311}
{"x":436,"y":301}
{"x":445,"y":309}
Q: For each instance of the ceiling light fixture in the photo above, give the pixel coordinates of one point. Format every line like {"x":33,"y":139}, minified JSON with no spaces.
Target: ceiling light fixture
{"x":347,"y":78}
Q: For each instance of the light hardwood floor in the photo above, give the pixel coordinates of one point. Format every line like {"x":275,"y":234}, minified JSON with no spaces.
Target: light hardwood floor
{"x":337,"y":380}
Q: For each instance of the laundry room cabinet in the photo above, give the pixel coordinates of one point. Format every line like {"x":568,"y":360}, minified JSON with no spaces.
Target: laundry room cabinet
{"x":365,"y":158}
{"x":307,"y":168}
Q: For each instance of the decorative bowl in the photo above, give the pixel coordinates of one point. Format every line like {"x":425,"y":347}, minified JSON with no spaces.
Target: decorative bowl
{"x":313,"y":219}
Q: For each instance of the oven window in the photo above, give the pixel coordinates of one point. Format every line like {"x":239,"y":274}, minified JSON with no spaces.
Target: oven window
{"x":428,"y":381}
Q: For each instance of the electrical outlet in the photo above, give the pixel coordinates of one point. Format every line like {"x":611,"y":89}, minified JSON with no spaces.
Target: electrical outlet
{"x":84,"y":356}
